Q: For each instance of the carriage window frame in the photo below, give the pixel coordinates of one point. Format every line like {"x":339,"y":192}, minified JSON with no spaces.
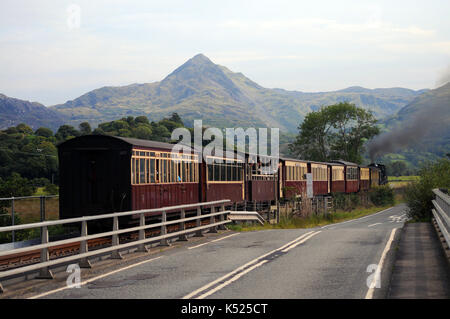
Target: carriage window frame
{"x":295,"y":172}
{"x":163,"y":168}
{"x":224,"y":171}
{"x":319,"y":172}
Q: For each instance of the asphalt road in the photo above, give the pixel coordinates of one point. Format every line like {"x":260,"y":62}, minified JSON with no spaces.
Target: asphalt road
{"x":334,"y":261}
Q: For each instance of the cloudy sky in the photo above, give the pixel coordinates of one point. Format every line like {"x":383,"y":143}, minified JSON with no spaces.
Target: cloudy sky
{"x":54,"y":51}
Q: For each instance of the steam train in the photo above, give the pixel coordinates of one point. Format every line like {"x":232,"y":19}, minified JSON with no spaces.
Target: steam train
{"x":103,"y":174}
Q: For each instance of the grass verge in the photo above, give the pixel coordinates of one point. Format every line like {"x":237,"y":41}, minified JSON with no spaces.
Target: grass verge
{"x":311,"y":221}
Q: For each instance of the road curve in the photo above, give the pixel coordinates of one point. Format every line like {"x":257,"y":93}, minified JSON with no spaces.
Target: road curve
{"x":335,"y":261}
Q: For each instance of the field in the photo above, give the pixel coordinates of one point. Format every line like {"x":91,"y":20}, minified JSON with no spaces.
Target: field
{"x":29,"y":209}
{"x":401,"y":181}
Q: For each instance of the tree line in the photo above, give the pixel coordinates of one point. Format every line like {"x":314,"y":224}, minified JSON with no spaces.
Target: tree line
{"x":29,"y":158}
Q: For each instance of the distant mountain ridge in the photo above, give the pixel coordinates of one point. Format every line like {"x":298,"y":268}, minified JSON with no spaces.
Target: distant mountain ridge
{"x":14,"y":111}
{"x":200,"y":89}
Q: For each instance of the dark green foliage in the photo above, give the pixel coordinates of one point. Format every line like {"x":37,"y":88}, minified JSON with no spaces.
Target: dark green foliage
{"x":31,"y":154}
{"x":44,"y":132}
{"x":15,"y":185}
{"x":6,"y":220}
{"x":346,"y":202}
{"x":140,"y":127}
{"x":335,"y":132}
{"x":382,"y":195}
{"x":85,"y":128}
{"x":419,"y":194}
{"x":66,"y":132}
{"x":51,"y":189}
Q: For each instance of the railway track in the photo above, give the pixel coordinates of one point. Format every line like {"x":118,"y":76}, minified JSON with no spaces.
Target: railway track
{"x":28,"y":258}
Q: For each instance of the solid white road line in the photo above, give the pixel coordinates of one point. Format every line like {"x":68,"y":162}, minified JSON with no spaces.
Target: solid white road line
{"x":229,"y":281}
{"x":242,"y":268}
{"x":212,"y":241}
{"x":354,"y":220}
{"x":370,"y":292}
{"x":94,"y":278}
{"x":374,"y":224}
{"x":299,"y":242}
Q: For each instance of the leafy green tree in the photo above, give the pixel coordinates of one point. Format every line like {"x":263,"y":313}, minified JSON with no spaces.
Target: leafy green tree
{"x":419,"y":194}
{"x":337,"y":131}
{"x":44,"y":132}
{"x":141,"y":120}
{"x":65,"y":132}
{"x":85,"y":128}
{"x":16,"y":186}
{"x":23,"y":128}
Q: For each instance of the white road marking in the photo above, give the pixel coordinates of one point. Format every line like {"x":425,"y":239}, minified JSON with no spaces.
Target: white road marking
{"x":374,"y":224}
{"x":299,"y":242}
{"x":369,"y":294}
{"x":212,"y":241}
{"x":229,"y":281}
{"x":242,"y":268}
{"x":354,"y":220}
{"x":94,"y":278}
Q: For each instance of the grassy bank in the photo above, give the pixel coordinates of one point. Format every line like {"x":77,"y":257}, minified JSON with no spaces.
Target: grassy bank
{"x":312,"y":221}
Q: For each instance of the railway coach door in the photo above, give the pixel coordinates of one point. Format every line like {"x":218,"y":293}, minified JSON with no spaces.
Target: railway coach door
{"x":96,"y":182}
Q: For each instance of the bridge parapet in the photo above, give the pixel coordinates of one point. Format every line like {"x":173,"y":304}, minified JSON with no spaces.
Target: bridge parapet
{"x":441,"y":213}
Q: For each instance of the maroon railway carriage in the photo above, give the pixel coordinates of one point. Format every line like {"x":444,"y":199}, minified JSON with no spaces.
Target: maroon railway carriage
{"x":222,"y":179}
{"x":337,"y":177}
{"x":351,"y":173}
{"x":293,"y":177}
{"x":364,"y":178}
{"x":321,"y":182}
{"x":101,"y":174}
{"x":261,"y":182}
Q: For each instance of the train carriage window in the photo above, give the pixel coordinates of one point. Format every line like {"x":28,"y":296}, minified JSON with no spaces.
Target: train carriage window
{"x":141,"y":171}
{"x":223,"y":173}
{"x":229,"y":176}
{"x":163,"y":171}
{"x":152,"y":171}
{"x":183,"y":172}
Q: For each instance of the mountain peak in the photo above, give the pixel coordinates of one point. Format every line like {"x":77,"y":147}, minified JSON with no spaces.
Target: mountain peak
{"x":200,"y":58}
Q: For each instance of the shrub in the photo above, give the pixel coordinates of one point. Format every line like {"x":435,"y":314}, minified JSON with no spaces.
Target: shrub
{"x":418,"y":195}
{"x":6,"y":220}
{"x":382,"y":195}
{"x":51,"y":189}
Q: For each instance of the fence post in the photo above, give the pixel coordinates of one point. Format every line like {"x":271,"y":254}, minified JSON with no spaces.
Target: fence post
{"x":84,"y":262}
{"x":182,"y":237}
{"x":212,"y":220}
{"x":13,"y":235}
{"x":115,"y":239}
{"x":222,"y":226}
{"x":278,"y":212}
{"x":141,"y":247}
{"x":44,"y":273}
{"x":164,"y":241}
{"x":42,"y":199}
{"x":198,"y":233}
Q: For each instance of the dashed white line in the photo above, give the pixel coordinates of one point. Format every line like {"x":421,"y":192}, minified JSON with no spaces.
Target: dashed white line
{"x":374,"y":224}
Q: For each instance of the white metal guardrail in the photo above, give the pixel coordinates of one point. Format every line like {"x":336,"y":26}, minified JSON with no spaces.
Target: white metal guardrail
{"x":441,"y":213}
{"x":45,"y":262}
